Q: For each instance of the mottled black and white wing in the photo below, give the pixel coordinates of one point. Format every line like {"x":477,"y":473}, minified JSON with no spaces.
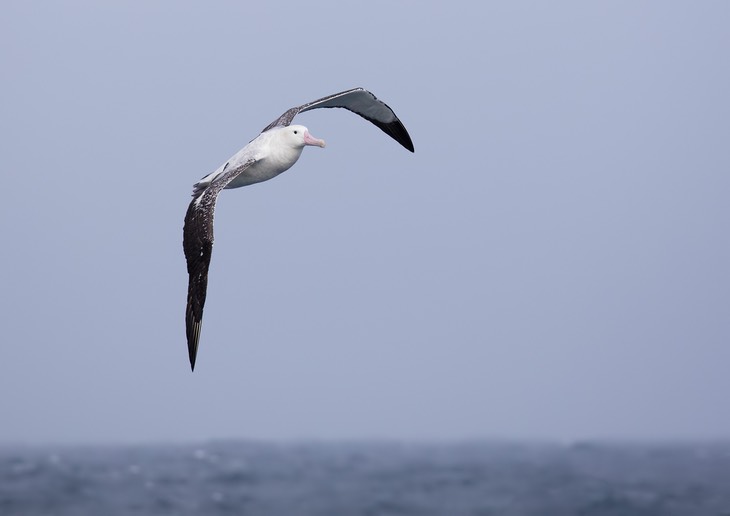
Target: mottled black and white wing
{"x":361,"y":102}
{"x":198,"y":246}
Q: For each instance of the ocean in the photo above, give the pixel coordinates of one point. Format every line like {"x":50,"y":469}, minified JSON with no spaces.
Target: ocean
{"x":360,"y":478}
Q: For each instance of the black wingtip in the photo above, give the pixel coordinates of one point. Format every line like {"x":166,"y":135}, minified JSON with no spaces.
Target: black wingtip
{"x":191,"y":354}
{"x":397,"y":131}
{"x":193,"y":340}
{"x":192,"y":349}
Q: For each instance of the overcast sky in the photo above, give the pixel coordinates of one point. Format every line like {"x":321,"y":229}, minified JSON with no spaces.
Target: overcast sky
{"x":552,"y":262}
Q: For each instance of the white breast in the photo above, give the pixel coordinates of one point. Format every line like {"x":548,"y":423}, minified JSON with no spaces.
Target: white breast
{"x":273,"y":157}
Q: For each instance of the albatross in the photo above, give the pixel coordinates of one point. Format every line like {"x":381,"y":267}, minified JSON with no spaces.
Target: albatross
{"x":272,"y":152}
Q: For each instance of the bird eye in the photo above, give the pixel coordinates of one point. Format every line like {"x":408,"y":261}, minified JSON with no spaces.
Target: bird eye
{"x":296,"y":132}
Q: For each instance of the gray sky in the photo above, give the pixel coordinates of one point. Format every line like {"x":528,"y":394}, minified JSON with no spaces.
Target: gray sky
{"x":552,"y":262}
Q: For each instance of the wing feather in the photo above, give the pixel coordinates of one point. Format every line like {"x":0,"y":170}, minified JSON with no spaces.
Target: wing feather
{"x":198,"y":247}
{"x":361,"y":102}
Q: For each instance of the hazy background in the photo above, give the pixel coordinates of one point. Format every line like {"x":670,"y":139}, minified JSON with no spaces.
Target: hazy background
{"x":552,"y":262}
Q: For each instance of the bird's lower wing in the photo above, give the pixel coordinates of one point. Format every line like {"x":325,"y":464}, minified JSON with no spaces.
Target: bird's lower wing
{"x":198,"y":247}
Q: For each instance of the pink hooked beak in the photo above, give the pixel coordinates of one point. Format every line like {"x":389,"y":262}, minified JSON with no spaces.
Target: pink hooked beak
{"x":311,"y":140}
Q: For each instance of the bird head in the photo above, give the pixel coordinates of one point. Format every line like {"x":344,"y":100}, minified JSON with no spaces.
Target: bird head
{"x":299,"y":136}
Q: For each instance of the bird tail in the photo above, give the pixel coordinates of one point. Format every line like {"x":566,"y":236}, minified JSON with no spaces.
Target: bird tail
{"x":200,"y":187}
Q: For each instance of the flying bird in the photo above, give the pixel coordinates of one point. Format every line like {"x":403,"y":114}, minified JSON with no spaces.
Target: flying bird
{"x":272,"y":152}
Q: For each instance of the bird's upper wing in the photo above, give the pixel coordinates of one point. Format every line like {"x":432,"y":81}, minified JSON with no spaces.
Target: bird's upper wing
{"x":360,"y":101}
{"x":198,"y":245}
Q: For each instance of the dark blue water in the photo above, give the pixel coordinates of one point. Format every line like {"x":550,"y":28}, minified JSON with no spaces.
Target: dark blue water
{"x":483,"y":479}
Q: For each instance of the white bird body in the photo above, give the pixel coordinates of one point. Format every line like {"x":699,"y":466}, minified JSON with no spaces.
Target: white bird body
{"x":272,"y":152}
